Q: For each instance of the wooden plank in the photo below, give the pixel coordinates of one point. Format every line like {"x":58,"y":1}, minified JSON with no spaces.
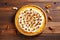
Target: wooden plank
{"x":44,"y":0}
{"x":54,"y":25}
{"x":10,"y":37}
{"x":5,"y":3}
{"x":9,"y":12}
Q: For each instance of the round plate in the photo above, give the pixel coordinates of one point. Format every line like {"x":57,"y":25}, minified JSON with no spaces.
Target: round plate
{"x":30,"y":20}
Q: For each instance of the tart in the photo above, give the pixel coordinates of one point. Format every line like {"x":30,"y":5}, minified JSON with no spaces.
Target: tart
{"x":30,"y":20}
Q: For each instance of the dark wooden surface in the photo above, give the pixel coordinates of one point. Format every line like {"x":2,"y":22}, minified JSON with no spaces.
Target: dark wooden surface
{"x":8,"y":30}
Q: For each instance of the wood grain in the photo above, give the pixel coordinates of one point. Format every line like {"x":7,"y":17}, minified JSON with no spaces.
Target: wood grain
{"x":8,"y":30}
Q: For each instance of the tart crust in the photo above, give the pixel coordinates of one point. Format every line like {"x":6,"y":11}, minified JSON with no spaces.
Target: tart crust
{"x":30,"y":33}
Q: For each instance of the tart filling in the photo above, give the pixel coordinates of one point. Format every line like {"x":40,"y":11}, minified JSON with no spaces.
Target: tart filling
{"x":30,"y":20}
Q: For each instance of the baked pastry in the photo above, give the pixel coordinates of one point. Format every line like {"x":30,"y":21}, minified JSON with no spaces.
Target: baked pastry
{"x":30,"y":20}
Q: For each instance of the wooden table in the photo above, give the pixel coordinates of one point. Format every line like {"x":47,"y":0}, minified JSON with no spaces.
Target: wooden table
{"x":8,"y":30}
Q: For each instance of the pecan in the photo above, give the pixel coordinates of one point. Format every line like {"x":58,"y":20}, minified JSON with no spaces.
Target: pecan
{"x":50,"y":28}
{"x":48,"y":11}
{"x":50,"y":18}
{"x":48,"y":6}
